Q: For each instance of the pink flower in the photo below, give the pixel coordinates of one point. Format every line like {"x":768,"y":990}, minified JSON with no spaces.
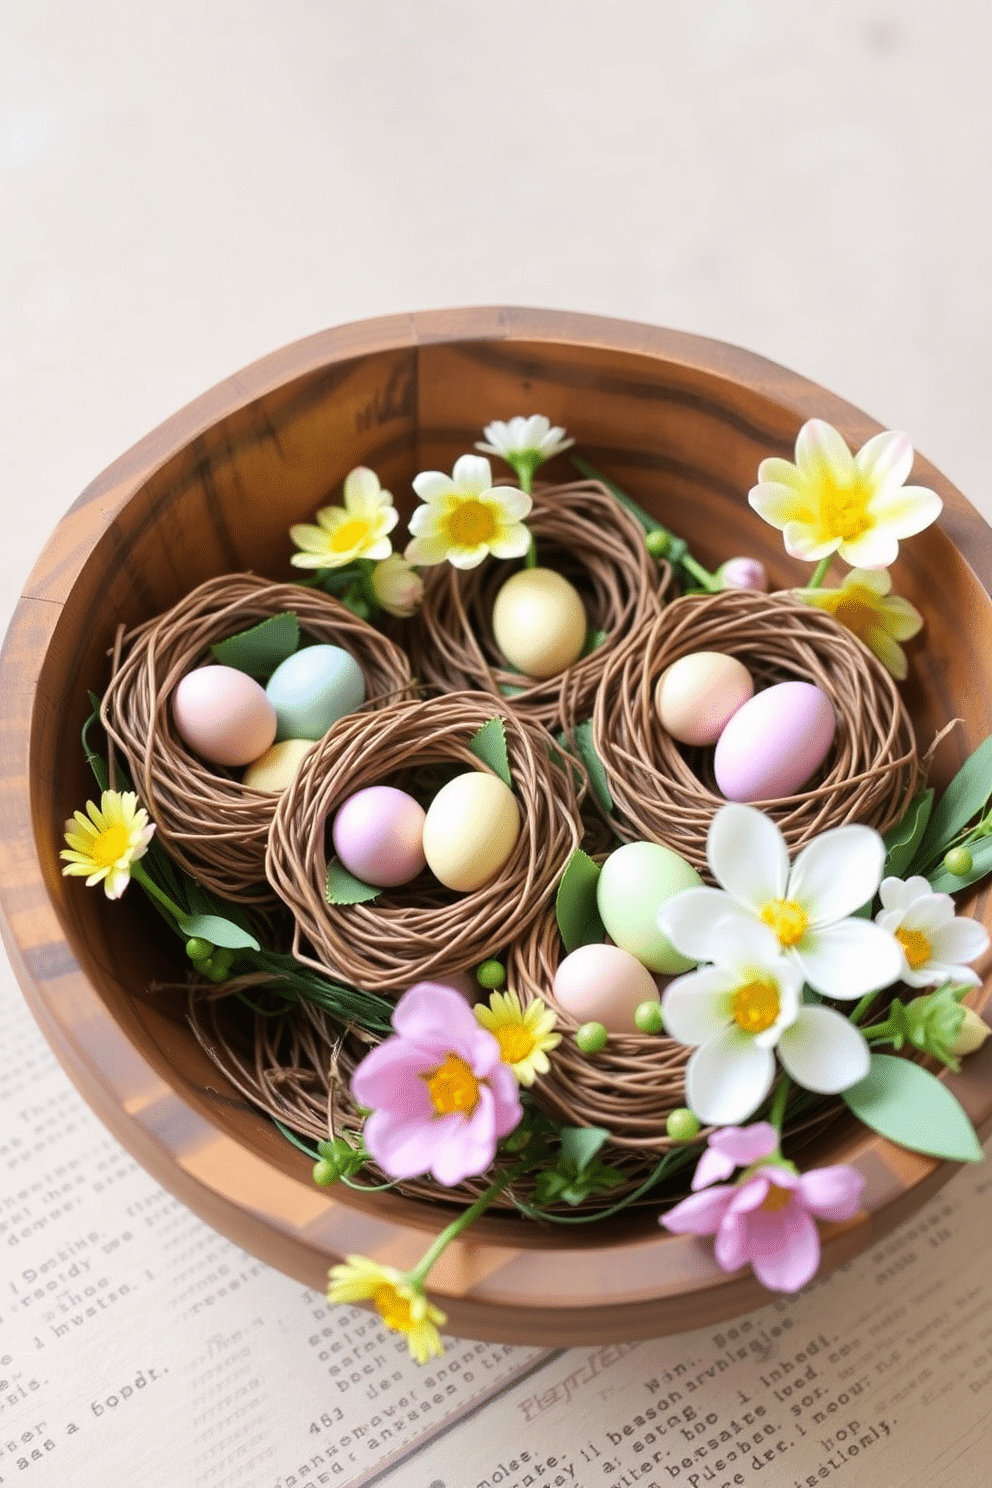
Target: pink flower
{"x":440,"y":1095}
{"x":768,"y":1217}
{"x":743,"y":573}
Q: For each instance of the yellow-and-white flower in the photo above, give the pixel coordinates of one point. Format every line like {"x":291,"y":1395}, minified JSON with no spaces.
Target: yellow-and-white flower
{"x":403,"y":1305}
{"x":524,"y":1034}
{"x":934,"y":941}
{"x":831,"y":501}
{"x":533,"y":439}
{"x":397,"y":586}
{"x":865,"y":604}
{"x":464,"y":517}
{"x":104,"y":844}
{"x":359,"y":529}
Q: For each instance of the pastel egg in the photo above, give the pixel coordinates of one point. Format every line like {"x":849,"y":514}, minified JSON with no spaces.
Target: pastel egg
{"x":379,"y":836}
{"x":471,"y":828}
{"x":698,"y":694}
{"x":634,"y":882}
{"x":539,"y":622}
{"x":223,"y":715}
{"x":277,"y":767}
{"x":604,"y":984}
{"x":312,"y":689}
{"x":774,"y":743}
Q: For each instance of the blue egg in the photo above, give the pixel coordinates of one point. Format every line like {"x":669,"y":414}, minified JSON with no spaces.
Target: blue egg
{"x":312,"y":689}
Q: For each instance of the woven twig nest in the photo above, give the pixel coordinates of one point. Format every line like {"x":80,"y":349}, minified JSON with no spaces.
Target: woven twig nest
{"x":663,"y":793}
{"x":214,"y":826}
{"x":421,"y":930}
{"x":581,"y":532}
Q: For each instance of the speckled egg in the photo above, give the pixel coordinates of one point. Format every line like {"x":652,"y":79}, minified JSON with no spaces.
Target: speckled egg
{"x":312,"y":689}
{"x":539,"y":622}
{"x":223,"y":715}
{"x":379,"y":836}
{"x":635,"y":881}
{"x":277,"y":767}
{"x":775,"y":742}
{"x":698,"y":694}
{"x":471,"y":828}
{"x":604,"y":984}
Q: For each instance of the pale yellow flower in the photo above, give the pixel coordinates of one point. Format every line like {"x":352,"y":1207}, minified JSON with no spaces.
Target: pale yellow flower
{"x":402,"y":1304}
{"x":104,"y":844}
{"x":464,"y":517}
{"x":397,"y":586}
{"x":359,"y":529}
{"x":865,"y":605}
{"x":831,"y":501}
{"x":524,"y":1034}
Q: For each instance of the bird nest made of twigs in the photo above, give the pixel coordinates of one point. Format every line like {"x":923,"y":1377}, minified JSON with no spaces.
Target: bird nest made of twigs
{"x":663,"y":792}
{"x":212,"y":824}
{"x":421,"y":930}
{"x":581,"y":532}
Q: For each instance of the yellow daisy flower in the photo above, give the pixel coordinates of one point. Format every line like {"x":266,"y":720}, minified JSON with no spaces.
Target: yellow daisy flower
{"x":402,"y":1304}
{"x":359,"y":529}
{"x":464,"y":517}
{"x":104,"y":845}
{"x":865,"y":604}
{"x":524,"y":1034}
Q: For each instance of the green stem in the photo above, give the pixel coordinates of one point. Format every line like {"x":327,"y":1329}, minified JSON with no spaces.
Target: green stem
{"x":138,"y":873}
{"x":418,"y":1275}
{"x":777,"y":1113}
{"x":702,"y":575}
{"x":820,"y":572}
{"x":863,"y":1006}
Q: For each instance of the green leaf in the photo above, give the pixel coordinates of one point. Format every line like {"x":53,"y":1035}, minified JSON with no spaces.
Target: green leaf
{"x":579,"y":1144}
{"x":344,"y":888}
{"x":594,"y":639}
{"x":594,"y":766}
{"x":260,"y":650}
{"x":575,"y":907}
{"x":95,"y":761}
{"x":942,"y":882}
{"x":904,"y":838}
{"x":963,"y":799}
{"x":910,"y":1106}
{"x":489,"y":745}
{"x":218,"y":931}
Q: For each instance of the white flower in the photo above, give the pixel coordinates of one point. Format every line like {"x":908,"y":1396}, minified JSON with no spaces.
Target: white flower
{"x":808,"y":908}
{"x":398,"y":588}
{"x":359,"y":529}
{"x":933,"y":941}
{"x":531,"y":438}
{"x":464,"y":517}
{"x":831,"y":501}
{"x":739,"y":1011}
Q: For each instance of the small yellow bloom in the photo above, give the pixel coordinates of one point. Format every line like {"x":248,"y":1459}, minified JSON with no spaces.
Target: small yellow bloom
{"x":831,"y":501}
{"x":524,"y":1034}
{"x":402,"y":1304}
{"x":104,"y":844}
{"x":359,"y":529}
{"x":464,"y":517}
{"x":865,"y":604}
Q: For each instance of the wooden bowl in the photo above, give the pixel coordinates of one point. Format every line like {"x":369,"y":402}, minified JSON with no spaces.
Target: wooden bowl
{"x":681,"y":423}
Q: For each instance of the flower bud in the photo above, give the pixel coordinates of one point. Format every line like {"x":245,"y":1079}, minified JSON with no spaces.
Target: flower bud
{"x":397,"y":586}
{"x":971,"y":1035}
{"x":743,"y":573}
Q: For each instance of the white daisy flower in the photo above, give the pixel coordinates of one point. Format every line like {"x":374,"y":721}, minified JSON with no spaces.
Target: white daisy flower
{"x":359,"y":529}
{"x":464,"y":517}
{"x":533,"y":438}
{"x":934,"y":942}
{"x":744,"y":1008}
{"x":809,"y":908}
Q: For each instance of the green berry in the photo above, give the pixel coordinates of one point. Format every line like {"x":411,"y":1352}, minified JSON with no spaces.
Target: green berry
{"x":324,"y":1173}
{"x":657,"y":543}
{"x":491,"y":975}
{"x":218,"y":967}
{"x":682,"y":1125}
{"x":647,"y":1016}
{"x":591,"y":1037}
{"x":328,"y":1148}
{"x":198,"y":949}
{"x":958,"y":861}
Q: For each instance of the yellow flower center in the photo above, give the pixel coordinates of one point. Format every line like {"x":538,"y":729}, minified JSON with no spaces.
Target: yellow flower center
{"x":453,"y":1087}
{"x":776,"y":1199}
{"x":472,"y":523}
{"x":844,"y":511}
{"x":858,"y":617}
{"x":787,"y":919}
{"x":109,"y":845}
{"x":392,"y":1308}
{"x":516,"y":1042}
{"x":349,"y":535}
{"x":755,"y":1006}
{"x":916,"y":946}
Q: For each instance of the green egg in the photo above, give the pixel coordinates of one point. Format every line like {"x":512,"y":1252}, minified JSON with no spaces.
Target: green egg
{"x":634,"y":883}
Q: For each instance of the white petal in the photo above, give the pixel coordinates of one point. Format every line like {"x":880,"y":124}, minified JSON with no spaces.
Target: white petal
{"x":426,"y":551}
{"x":850,"y":958}
{"x":776,"y":472}
{"x":513,"y":505}
{"x":534,"y":430}
{"x":886,"y":460}
{"x":900,"y":893}
{"x":728,"y":1078}
{"x":905,"y":511}
{"x":824,"y":1051}
{"x":802,"y":540}
{"x":837,"y":873}
{"x":775,"y":502}
{"x":740,"y":943}
{"x":929,"y":913}
{"x":432,"y":485}
{"x":511,"y":542}
{"x":688,"y":919}
{"x":472,"y":475}
{"x":822,"y":456}
{"x":876,"y":548}
{"x":960,"y":941}
{"x":362,"y":493}
{"x":696,"y":1006}
{"x":462,"y":557}
{"x":748,"y":856}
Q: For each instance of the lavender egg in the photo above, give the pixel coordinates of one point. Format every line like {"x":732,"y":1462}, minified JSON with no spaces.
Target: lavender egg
{"x":379,"y":836}
{"x":775,"y":743}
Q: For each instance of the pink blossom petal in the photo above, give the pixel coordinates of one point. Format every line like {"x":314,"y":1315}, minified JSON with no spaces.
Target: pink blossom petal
{"x":700,"y":1214}
{"x":730,"y":1247}
{"x":832,"y":1193}
{"x":438,"y":1020}
{"x":791,"y":1266}
{"x":392,"y":1075}
{"x":463,"y":1146}
{"x":507,"y":1110}
{"x":746,"y":1144}
{"x":712,"y":1167}
{"x":752,"y":1194}
{"x":397,"y":1143}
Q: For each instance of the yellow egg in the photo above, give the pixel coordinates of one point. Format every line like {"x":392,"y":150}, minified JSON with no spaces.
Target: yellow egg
{"x":539,"y":622}
{"x":277,"y":767}
{"x":471,"y":829}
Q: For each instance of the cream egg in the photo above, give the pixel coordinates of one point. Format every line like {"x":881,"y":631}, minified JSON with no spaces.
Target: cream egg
{"x":539,"y":622}
{"x":698,"y":694}
{"x":470,"y":830}
{"x":604,"y":984}
{"x":223,"y":715}
{"x":277,"y":767}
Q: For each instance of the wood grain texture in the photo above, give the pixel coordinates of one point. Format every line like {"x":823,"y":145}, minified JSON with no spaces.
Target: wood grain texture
{"x":679,"y":421}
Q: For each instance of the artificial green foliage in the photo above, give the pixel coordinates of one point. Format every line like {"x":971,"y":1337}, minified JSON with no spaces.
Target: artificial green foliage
{"x":260,"y":650}
{"x":575,"y":906}
{"x":964,"y":799}
{"x":578,"y":1171}
{"x":594,"y":765}
{"x":343,"y":887}
{"x":903,"y":840}
{"x":907,"y":1104}
{"x":218,"y":930}
{"x":489,"y":745}
{"x":943,"y":882}
{"x":930,"y":1023}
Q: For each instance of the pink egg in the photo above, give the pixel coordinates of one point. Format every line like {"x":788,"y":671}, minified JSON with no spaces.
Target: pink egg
{"x":775,"y":742}
{"x":223,"y":715}
{"x":604,"y":984}
{"x":379,"y":836}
